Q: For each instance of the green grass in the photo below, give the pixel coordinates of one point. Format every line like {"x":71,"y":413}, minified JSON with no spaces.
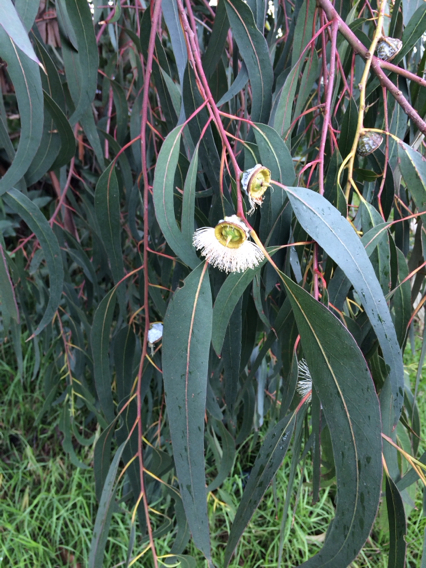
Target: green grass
{"x":49,"y":506}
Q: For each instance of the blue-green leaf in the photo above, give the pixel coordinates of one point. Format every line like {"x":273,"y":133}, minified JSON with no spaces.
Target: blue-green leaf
{"x":104,"y":514}
{"x":100,"y":340}
{"x":163,"y":191}
{"x":346,"y":390}
{"x":12,"y":25}
{"x":254,"y":51}
{"x":25,"y":75}
{"x":335,"y":235}
{"x":8,"y":303}
{"x":186,"y":346}
{"x":268,"y":461}
{"x":82,"y":65}
{"x":397,"y":525}
{"x":107,"y":207}
{"x":36,"y":221}
{"x":229,"y":294}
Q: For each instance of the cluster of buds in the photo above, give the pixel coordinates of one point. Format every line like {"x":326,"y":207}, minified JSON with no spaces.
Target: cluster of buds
{"x":227,"y":246}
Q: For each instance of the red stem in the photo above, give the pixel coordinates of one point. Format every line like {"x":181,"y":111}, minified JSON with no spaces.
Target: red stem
{"x":376,"y":65}
{"x":156,"y":18}
{"x":194,"y":56}
{"x":327,"y":114}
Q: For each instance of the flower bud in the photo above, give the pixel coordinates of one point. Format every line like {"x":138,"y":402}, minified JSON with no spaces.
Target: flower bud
{"x":368,"y":143}
{"x":388,"y":47}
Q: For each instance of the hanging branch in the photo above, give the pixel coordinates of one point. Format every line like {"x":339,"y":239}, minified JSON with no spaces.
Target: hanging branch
{"x":376,"y":65}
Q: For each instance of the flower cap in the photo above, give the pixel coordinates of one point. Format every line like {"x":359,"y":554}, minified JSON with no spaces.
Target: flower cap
{"x":368,"y":143}
{"x":255,"y":182}
{"x":388,"y":47}
{"x":155,"y":333}
{"x":227,"y":247}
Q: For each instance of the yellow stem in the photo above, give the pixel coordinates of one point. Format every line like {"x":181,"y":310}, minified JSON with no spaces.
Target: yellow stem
{"x":362,"y":87}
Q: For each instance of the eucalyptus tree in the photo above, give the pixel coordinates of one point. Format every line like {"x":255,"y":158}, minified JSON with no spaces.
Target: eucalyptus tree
{"x":212,"y":217}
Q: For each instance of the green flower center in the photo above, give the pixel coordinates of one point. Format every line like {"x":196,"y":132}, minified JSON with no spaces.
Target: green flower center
{"x":259,"y":183}
{"x":229,"y":235}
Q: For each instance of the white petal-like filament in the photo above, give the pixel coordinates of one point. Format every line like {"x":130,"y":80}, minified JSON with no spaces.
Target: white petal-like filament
{"x":219,"y":255}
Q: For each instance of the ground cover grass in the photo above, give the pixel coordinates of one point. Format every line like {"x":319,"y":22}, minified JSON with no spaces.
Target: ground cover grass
{"x":49,"y":505}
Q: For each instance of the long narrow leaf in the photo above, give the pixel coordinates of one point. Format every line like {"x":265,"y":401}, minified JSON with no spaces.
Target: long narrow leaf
{"x":186,"y":345}
{"x":164,"y":201}
{"x":254,"y":51}
{"x":266,"y":466}
{"x":25,"y":75}
{"x":345,"y":388}
{"x":104,"y":514}
{"x":335,"y":235}
{"x":36,"y":221}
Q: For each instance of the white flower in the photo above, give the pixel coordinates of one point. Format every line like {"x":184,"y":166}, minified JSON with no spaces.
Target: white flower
{"x":155,"y":333}
{"x":304,"y":385}
{"x":227,"y":247}
{"x":255,"y":182}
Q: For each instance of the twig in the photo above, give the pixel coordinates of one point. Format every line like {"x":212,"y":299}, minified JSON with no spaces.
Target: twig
{"x":144,"y":120}
{"x":327,"y":113}
{"x":376,"y":65}
{"x":362,"y":88}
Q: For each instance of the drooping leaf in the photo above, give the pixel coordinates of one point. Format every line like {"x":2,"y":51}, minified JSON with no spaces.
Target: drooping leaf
{"x":36,"y":221}
{"x":66,"y":135}
{"x":8,"y":303}
{"x":228,"y":457}
{"x":104,"y":514}
{"x":163,"y":191}
{"x":231,"y":355}
{"x":12,"y":25}
{"x":100,"y":343}
{"x":107,"y":207}
{"x":413,"y":169}
{"x":349,"y":124}
{"x":27,"y":11}
{"x":82,"y":65}
{"x":237,"y":86}
{"x":268,"y":461}
{"x":303,"y":31}
{"x":274,"y":153}
{"x":336,"y":236}
{"x":217,"y":40}
{"x":46,"y":153}
{"x":171,"y":16}
{"x":229,"y":294}
{"x":25,"y":75}
{"x":186,"y":344}
{"x":345,"y":388}
{"x":254,"y":51}
{"x":413,"y":32}
{"x":397,"y":525}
